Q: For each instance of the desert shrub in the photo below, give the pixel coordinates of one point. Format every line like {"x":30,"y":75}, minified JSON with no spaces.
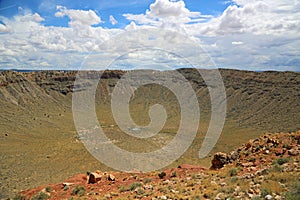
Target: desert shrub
{"x":256,"y":198}
{"x":140,"y":191}
{"x":132,"y":187}
{"x":257,"y":148}
{"x":230,"y":190}
{"x":281,"y":161}
{"x":265,"y":192}
{"x":123,"y":189}
{"x":196,"y":197}
{"x":294,"y":191}
{"x":48,"y":189}
{"x":234,"y":179}
{"x":40,"y":196}
{"x":78,"y":190}
{"x":147,"y":180}
{"x":66,"y":187}
{"x":276,"y":168}
{"x":207,"y":195}
{"x":163,"y":190}
{"x":222,"y":190}
{"x":232,"y":172}
{"x":135,"y":185}
{"x":19,"y":197}
{"x":174,"y":174}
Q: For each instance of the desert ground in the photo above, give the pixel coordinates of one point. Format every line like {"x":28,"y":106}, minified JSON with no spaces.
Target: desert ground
{"x":40,"y":146}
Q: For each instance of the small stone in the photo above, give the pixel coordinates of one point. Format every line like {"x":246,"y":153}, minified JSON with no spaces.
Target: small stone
{"x":111,"y":177}
{"x":261,"y":172}
{"x":233,"y":155}
{"x":163,"y":197}
{"x":251,"y":191}
{"x":268,"y":197}
{"x":279,"y":152}
{"x":223,"y":184}
{"x":148,"y":187}
{"x":277,"y":197}
{"x":247,"y":176}
{"x":219,"y":196}
{"x":237,"y":189}
{"x":248,"y":145}
{"x":257,"y":191}
{"x":67,"y":184}
{"x":293,"y":152}
{"x":213,"y":183}
{"x":174,"y":191}
{"x":248,"y":164}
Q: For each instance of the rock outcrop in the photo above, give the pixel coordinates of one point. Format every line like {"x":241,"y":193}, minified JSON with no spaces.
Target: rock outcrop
{"x":219,"y":160}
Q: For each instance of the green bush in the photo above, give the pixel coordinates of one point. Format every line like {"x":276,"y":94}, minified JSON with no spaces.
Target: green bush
{"x":135,"y":185}
{"x":234,"y":179}
{"x":40,"y":196}
{"x":174,"y":174}
{"x":140,"y":191}
{"x":281,"y":161}
{"x":233,"y":172}
{"x":132,"y":187}
{"x":265,"y":192}
{"x":294,"y":191}
{"x":48,"y":189}
{"x":78,"y":190}
{"x":147,"y":180}
{"x":276,"y":168}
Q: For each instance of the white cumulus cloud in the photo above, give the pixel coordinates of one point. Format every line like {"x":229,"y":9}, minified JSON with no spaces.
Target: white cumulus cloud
{"x":248,"y":34}
{"x":78,"y":17}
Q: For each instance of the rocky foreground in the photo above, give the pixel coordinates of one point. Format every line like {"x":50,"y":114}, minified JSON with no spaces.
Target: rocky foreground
{"x":267,"y":167}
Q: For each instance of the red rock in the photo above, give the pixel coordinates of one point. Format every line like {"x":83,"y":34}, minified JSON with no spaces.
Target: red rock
{"x":248,"y":164}
{"x":94,"y":178}
{"x":279,"y":152}
{"x":248,"y":145}
{"x":293,"y":152}
{"x":111,"y":177}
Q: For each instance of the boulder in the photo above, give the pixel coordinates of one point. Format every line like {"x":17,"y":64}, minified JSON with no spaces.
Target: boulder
{"x":94,"y":177}
{"x":162,"y":175}
{"x":233,"y":156}
{"x":293,"y":152}
{"x":220,"y":159}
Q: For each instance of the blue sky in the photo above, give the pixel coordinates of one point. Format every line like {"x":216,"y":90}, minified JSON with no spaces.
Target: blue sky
{"x":240,"y":34}
{"x":103,"y":8}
